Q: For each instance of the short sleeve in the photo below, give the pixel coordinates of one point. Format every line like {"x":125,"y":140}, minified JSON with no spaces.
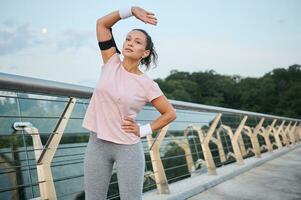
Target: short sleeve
{"x":154,"y":91}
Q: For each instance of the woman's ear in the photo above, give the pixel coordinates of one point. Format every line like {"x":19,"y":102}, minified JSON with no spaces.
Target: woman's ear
{"x":146,"y":54}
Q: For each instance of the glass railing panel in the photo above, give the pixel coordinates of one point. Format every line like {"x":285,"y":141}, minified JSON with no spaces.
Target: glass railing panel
{"x":41,"y":107}
{"x":15,"y":178}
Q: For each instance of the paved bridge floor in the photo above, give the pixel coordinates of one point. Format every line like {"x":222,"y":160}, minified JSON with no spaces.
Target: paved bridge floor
{"x":274,"y":176}
{"x":278,"y":179}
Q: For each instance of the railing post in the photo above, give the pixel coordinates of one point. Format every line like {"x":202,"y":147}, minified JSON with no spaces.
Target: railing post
{"x":45,"y":155}
{"x":205,"y":145}
{"x":204,"y":140}
{"x":285,"y":134}
{"x":266,"y":132}
{"x":160,"y":177}
{"x":277,"y":132}
{"x":185,"y":146}
{"x":298,"y":132}
{"x":219,"y":144}
{"x":234,"y":139}
{"x":215,"y":141}
{"x":242,"y":145}
{"x":256,"y":142}
{"x":292,"y":133}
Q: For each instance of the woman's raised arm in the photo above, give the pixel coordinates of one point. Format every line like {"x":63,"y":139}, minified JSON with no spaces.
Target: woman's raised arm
{"x":104,"y":24}
{"x":103,"y":33}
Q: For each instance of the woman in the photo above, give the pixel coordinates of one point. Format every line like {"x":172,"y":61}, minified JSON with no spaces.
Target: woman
{"x":121,"y":92}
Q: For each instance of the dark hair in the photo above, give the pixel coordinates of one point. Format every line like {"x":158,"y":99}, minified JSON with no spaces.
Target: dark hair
{"x":153,"y":56}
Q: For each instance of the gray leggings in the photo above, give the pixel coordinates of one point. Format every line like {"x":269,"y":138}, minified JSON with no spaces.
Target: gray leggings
{"x":100,"y":156}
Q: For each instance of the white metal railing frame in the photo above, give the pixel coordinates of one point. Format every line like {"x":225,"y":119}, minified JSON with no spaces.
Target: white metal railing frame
{"x":9,"y":82}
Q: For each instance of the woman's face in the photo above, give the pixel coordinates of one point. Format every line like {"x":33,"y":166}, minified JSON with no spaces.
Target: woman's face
{"x":134,"y":45}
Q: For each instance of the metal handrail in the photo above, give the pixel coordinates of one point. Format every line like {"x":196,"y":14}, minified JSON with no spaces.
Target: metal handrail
{"x":47,"y":87}
{"x":41,"y":86}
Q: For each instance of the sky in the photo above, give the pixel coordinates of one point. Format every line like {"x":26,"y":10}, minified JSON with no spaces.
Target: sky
{"x":56,"y":40}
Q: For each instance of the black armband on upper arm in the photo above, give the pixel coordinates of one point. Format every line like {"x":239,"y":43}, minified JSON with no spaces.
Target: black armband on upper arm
{"x":104,"y":45}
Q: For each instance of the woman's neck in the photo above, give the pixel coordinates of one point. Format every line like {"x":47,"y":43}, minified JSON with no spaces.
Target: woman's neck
{"x":131,"y":65}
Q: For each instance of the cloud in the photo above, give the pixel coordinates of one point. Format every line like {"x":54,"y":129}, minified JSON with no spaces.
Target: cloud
{"x":15,"y":37}
{"x":74,"y":39}
{"x":9,"y":68}
{"x":281,"y":21}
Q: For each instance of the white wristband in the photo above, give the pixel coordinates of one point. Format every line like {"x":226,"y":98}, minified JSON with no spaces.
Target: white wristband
{"x":145,"y":130}
{"x":125,"y":12}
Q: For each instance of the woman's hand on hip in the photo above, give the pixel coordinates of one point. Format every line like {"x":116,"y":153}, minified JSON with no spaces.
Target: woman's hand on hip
{"x":130,"y":126}
{"x":143,"y":15}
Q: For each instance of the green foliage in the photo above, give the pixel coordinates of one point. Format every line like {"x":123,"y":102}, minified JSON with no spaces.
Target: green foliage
{"x":175,"y":167}
{"x":277,"y":92}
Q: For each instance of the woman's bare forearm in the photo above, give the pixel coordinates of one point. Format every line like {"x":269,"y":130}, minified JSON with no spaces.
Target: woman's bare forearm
{"x":104,"y":24}
{"x":163,"y":120}
{"x":109,"y":20}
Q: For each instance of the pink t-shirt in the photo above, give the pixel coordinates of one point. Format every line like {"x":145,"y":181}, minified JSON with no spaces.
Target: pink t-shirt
{"x":118,"y":93}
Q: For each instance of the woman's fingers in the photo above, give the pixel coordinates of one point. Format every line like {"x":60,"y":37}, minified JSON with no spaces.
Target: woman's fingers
{"x":145,"y":16}
{"x":129,"y":125}
{"x":151,"y":21}
{"x":151,"y":16}
{"x":155,"y":19}
{"x":150,"y":13}
{"x":129,"y":119}
{"x":128,"y":128}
